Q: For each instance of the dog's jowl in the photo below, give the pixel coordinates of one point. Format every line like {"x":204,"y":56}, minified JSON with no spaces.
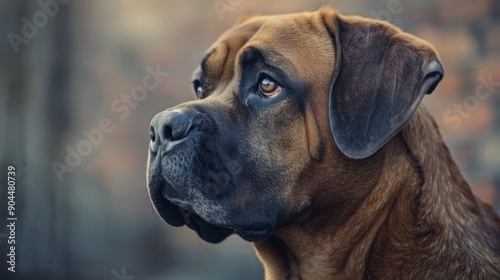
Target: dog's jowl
{"x":308,"y":138}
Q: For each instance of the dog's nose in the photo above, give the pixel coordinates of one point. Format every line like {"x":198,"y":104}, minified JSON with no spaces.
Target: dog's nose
{"x":169,"y":126}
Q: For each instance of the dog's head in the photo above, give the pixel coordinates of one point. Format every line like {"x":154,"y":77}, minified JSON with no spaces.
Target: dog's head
{"x":285,"y":104}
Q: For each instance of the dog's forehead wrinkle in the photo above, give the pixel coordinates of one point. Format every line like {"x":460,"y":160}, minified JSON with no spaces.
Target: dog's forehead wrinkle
{"x":274,"y":57}
{"x":203,"y":63}
{"x":276,"y":38}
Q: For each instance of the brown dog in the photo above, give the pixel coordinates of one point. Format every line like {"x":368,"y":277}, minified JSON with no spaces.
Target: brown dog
{"x":309,"y":139}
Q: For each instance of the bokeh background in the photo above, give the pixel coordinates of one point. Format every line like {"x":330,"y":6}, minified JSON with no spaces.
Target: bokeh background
{"x":97,"y":222}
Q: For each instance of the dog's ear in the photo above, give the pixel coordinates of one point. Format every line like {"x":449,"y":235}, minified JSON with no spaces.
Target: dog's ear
{"x":380,"y":77}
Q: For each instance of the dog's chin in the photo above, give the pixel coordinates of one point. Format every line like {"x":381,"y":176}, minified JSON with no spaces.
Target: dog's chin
{"x":177,"y":216}
{"x":206,"y":231}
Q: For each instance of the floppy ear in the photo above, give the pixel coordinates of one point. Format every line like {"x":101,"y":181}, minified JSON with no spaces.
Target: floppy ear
{"x":380,"y":78}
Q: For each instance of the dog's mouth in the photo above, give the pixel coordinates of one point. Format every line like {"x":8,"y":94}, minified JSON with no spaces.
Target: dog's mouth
{"x":205,"y":210}
{"x":178,"y":213}
{"x":216,"y":233}
{"x":207,"y":231}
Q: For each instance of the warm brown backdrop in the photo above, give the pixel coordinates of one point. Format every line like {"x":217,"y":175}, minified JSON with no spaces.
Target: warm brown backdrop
{"x":65,"y":78}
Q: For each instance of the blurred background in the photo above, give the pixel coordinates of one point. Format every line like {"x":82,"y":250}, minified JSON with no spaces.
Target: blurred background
{"x":67,"y":65}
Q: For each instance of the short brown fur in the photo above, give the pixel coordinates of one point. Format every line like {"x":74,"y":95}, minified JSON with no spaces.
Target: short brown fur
{"x":413,"y":216}
{"x":404,"y":212}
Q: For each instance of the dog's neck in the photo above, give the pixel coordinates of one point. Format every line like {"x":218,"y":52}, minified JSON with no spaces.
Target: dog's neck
{"x":335,"y":244}
{"x":414,"y":201}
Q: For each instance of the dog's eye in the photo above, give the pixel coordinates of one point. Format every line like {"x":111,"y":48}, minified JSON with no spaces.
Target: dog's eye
{"x":269,"y":88}
{"x":198,"y":89}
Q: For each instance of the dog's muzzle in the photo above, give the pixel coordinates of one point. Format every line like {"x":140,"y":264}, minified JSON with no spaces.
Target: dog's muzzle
{"x":172,"y":139}
{"x":175,"y":138}
{"x":189,"y":178}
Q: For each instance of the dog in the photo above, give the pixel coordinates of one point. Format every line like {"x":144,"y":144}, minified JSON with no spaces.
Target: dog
{"x":309,"y":140}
